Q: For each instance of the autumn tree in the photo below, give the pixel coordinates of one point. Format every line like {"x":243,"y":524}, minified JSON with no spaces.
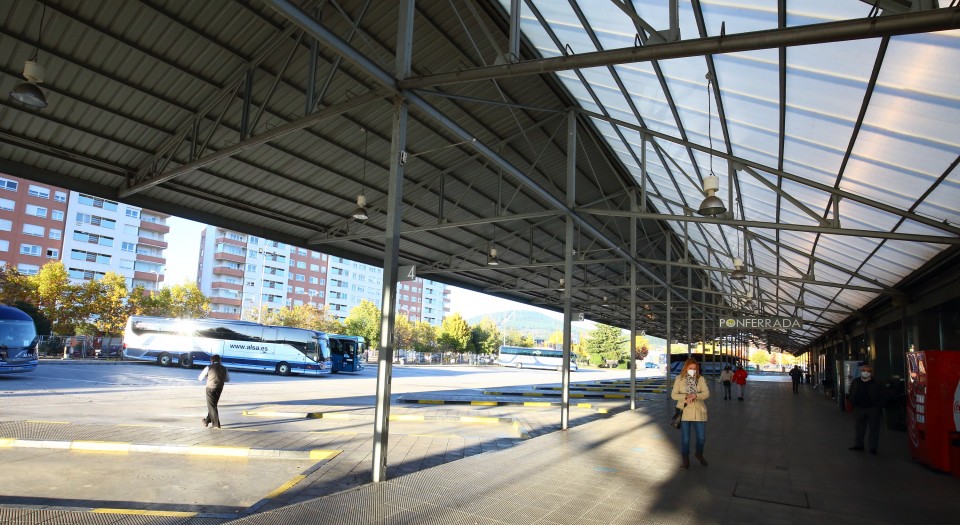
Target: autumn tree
{"x":403,"y":333}
{"x":364,"y":320}
{"x":111,"y":306}
{"x":454,"y":334}
{"x":16,"y":287}
{"x":485,"y":338}
{"x":759,"y":357}
{"x":66,"y":305}
{"x":424,"y":337}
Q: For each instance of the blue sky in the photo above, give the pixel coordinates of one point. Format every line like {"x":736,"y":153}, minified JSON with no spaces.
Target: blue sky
{"x":184,"y":250}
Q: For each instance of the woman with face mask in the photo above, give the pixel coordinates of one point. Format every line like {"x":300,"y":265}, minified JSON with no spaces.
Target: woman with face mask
{"x":690,"y":392}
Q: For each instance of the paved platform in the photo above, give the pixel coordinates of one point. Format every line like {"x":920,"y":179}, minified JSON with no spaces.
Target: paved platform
{"x":774,"y":458}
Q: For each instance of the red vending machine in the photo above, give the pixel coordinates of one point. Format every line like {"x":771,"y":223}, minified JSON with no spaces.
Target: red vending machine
{"x":933,"y":406}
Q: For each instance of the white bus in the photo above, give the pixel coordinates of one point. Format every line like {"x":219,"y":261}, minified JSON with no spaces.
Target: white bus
{"x":549,"y":358}
{"x":241,"y":345}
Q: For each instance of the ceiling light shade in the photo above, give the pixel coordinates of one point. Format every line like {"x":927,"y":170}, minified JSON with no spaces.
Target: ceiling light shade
{"x":711,"y":205}
{"x":561,"y":284}
{"x":738,"y":274}
{"x":361,"y":212}
{"x":33,"y":71}
{"x":29,"y":94}
{"x":492,"y":258}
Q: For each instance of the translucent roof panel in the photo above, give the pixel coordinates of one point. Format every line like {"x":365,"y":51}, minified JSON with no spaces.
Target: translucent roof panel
{"x":883,"y":149}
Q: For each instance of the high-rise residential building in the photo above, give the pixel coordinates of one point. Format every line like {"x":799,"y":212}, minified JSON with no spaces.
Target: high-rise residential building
{"x":244,"y":273}
{"x":91,"y":235}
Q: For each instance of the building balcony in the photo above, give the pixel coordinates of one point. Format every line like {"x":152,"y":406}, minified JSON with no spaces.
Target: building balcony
{"x":223,"y":315}
{"x":225,"y":301}
{"x":224,"y":256}
{"x":151,"y":258}
{"x":223,"y":270}
{"x":234,"y":242}
{"x":154,"y":227}
{"x":226,"y":286}
{"x":154,"y":243}
{"x":148,"y":276}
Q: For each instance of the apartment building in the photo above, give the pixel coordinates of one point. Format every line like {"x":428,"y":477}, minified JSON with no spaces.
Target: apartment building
{"x":91,"y":235}
{"x":244,"y":273}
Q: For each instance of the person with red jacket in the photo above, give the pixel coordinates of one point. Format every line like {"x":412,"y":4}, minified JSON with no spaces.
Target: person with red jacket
{"x":740,"y":378}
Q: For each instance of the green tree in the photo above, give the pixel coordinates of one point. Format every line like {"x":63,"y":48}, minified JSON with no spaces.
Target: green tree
{"x":66,"y":305}
{"x":364,"y":320}
{"x":643,"y":347}
{"x":111,"y":306}
{"x":607,"y":342}
{"x":454,"y":334}
{"x":760,"y":357}
{"x":187,"y":301}
{"x":403,"y":333}
{"x":424,"y":337}
{"x":515,"y":337}
{"x":16,"y":287}
{"x":487,"y":336}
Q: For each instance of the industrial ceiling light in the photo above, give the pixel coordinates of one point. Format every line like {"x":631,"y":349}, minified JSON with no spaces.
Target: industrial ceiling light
{"x":492,"y":259}
{"x":360,"y":213}
{"x":561,"y":284}
{"x":711,"y":205}
{"x":28,"y":92}
{"x":738,"y":273}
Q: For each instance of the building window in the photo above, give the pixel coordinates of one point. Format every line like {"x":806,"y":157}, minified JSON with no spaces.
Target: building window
{"x":253,"y":240}
{"x":33,"y":230}
{"x":36,"y":211}
{"x":38,"y":191}
{"x":300,"y":277}
{"x":56,"y":215}
{"x":313,"y":280}
{"x":97,"y":202}
{"x":4,"y":246}
{"x":81,"y":255}
{"x":53,"y":253}
{"x":28,"y":269}
{"x":30,"y":249}
{"x":6,"y":225}
{"x":129,"y":247}
{"x":133,"y":213}
{"x":86,"y":275}
{"x":56,"y":234}
{"x":59,"y":196}
{"x":7,"y":184}
{"x":7,"y":205}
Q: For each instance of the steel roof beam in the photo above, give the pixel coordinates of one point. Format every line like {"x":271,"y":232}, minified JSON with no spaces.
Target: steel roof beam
{"x":857,"y":29}
{"x":295,"y":15}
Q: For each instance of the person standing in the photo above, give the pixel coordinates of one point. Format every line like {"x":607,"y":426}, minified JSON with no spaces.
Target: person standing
{"x":215,"y":375}
{"x":726,"y":379}
{"x":867,"y":396}
{"x":690,"y":392}
{"x":795,"y":375}
{"x":740,"y":378}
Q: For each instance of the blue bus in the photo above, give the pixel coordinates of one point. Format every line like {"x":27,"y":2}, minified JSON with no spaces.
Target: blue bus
{"x":18,"y":341}
{"x":347,"y":352}
{"x":241,"y":345}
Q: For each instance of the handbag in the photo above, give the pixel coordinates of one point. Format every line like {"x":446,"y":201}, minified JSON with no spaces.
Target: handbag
{"x":677,"y":417}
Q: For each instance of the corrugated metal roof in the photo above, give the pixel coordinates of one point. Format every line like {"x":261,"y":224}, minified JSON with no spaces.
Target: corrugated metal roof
{"x":134,"y":87}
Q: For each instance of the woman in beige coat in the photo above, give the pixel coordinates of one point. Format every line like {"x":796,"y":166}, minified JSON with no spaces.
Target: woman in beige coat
{"x":690,"y":392}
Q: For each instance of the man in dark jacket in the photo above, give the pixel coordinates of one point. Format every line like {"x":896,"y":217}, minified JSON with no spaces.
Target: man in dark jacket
{"x":215,"y":375}
{"x":795,"y":375}
{"x":867,"y":396}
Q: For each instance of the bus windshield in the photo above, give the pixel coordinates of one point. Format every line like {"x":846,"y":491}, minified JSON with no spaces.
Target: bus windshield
{"x":16,"y":333}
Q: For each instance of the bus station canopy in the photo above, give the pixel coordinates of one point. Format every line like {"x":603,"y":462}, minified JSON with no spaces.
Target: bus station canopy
{"x":832,"y":128}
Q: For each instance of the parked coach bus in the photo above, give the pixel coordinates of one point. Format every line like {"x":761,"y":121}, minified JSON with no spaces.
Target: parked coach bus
{"x":549,"y":358}
{"x":347,"y":352}
{"x":241,"y":345}
{"x":18,"y":341}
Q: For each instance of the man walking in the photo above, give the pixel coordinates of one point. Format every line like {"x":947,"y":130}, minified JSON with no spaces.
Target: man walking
{"x":867,"y":396}
{"x":215,"y":375}
{"x":795,"y":375}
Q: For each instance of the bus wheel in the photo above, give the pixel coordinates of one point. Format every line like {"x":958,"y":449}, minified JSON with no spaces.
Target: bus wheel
{"x":519,"y":365}
{"x":185,"y":361}
{"x":283,"y":369}
{"x":164,"y":360}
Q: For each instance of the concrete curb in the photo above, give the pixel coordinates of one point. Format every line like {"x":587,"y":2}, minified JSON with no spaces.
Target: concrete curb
{"x":190,"y":450}
{"x":517,"y":426}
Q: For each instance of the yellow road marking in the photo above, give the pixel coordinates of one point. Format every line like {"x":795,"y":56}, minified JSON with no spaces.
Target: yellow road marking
{"x":286,"y":486}
{"x":484,"y":403}
{"x":319,"y":454}
{"x":430,"y":401}
{"x":537,"y":404}
{"x":7,"y":442}
{"x":145,"y":512}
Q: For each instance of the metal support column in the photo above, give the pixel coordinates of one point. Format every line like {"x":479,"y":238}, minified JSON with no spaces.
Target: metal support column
{"x":634,"y":224}
{"x":669,"y":257}
{"x":381,"y":428}
{"x":568,"y":267}
{"x":513,"y":53}
{"x":245,"y":130}
{"x":309,"y":96}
